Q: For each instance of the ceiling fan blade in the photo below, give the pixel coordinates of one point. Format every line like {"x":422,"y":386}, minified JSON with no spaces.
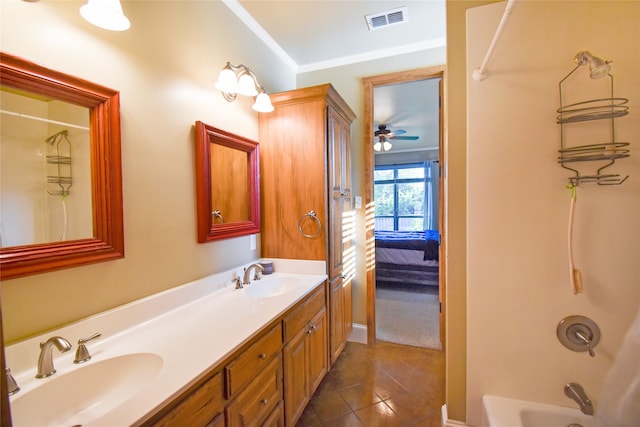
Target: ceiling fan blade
{"x":398,"y":132}
{"x":405,"y":138}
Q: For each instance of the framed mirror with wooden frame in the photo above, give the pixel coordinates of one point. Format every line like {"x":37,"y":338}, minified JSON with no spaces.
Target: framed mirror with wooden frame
{"x":106,"y":240}
{"x":227,"y":184}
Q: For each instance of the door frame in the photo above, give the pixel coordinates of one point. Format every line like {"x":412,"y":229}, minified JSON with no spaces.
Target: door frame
{"x":369,"y":83}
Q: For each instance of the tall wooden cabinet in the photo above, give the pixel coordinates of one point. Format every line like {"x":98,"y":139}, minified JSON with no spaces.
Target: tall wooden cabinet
{"x":305,"y":169}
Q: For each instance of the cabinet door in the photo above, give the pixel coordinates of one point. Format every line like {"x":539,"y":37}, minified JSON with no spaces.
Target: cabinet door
{"x":296,"y":377}
{"x":337,"y":338}
{"x":292,"y":171}
{"x":348,"y":309}
{"x":339,"y":171}
{"x":317,"y":350}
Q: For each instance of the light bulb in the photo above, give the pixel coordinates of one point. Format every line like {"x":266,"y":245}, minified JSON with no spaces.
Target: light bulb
{"x":227,"y":81}
{"x":263,"y":103}
{"x":105,"y":14}
{"x":246,"y":85}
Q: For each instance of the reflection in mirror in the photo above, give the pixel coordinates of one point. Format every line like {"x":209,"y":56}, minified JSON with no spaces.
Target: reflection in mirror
{"x":61,"y":190}
{"x":45,"y":170}
{"x":227,"y":183}
{"x":230,"y":194}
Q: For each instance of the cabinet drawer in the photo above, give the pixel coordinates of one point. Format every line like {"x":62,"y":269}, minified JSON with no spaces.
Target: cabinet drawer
{"x":254,"y":359}
{"x":276,"y":419}
{"x":297,"y":320}
{"x":199,"y":407}
{"x":256,"y":402}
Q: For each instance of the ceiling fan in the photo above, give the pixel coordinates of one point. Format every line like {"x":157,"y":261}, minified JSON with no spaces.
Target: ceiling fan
{"x":384,"y":135}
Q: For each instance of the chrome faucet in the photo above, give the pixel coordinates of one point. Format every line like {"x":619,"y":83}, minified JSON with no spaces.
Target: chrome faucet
{"x":576,"y":392}
{"x":12,"y":385}
{"x":45,"y":361}
{"x":247,"y":271}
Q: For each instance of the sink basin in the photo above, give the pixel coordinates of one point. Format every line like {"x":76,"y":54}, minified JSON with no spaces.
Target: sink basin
{"x":274,"y":287}
{"x":86,"y":393}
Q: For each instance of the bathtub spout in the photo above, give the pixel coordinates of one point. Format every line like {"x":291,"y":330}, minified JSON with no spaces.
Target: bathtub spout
{"x":576,"y":392}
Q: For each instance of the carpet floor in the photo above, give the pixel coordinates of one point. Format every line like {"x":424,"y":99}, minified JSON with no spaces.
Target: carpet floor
{"x":409,"y":316}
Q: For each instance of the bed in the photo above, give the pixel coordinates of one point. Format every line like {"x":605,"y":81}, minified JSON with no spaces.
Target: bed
{"x":407,"y":258}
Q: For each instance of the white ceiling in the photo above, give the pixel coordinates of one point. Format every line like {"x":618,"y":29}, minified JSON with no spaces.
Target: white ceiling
{"x":316,"y":34}
{"x":413,"y":107}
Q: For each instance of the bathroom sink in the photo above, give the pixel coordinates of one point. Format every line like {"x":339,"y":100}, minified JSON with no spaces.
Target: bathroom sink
{"x":85,"y":393}
{"x":271,"y":287}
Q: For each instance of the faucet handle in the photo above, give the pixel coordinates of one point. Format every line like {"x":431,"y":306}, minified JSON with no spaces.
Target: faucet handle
{"x":587,"y":342}
{"x":82,"y":353}
{"x":12,"y":385}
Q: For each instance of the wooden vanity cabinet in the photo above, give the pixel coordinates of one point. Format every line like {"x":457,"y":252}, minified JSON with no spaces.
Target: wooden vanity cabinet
{"x":245,"y":391}
{"x":305,"y":354}
{"x":267,"y":382}
{"x":305,"y":167}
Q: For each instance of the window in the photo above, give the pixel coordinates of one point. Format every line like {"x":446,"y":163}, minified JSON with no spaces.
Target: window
{"x":403,"y":197}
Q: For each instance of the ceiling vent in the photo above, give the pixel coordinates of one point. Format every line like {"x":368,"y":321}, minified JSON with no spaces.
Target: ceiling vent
{"x":388,"y":18}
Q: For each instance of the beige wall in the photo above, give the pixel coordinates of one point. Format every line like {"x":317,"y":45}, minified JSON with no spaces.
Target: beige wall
{"x":164,"y":67}
{"x":517,"y":278}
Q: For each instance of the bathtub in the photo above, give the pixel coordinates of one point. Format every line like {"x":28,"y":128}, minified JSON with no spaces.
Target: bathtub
{"x":504,"y":412}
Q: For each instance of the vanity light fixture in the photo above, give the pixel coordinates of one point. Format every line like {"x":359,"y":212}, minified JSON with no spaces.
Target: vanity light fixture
{"x":234,"y":80}
{"x":105,"y":14}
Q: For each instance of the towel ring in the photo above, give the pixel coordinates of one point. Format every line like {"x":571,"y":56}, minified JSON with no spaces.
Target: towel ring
{"x":310,"y":214}
{"x":217,"y":214}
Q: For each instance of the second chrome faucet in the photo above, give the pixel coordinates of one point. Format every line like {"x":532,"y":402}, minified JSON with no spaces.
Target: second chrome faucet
{"x":247,"y":272}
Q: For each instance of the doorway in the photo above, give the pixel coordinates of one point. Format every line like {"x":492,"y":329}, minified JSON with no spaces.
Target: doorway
{"x":371,"y":84}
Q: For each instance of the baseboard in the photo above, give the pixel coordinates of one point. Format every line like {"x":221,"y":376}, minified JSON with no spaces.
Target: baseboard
{"x":446,"y":422}
{"x":358,"y":333}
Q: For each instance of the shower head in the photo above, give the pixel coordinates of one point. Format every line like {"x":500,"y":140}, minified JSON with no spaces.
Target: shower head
{"x":599,"y":67}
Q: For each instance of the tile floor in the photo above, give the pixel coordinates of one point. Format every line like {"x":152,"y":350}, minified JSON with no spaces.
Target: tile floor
{"x":383,"y":384}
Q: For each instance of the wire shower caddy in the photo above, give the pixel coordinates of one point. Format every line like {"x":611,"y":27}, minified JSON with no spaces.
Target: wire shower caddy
{"x":606,"y":152}
{"x":62,"y":179}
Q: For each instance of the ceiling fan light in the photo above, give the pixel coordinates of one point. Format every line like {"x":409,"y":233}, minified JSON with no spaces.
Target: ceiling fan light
{"x":377,"y":146}
{"x":386,"y":146}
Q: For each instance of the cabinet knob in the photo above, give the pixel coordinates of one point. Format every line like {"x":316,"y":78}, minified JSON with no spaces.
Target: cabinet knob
{"x":312,"y":329}
{"x":264,"y":401}
{"x":263,"y":356}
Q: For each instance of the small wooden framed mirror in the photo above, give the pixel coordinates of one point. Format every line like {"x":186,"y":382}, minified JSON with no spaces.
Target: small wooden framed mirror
{"x":227,"y":184}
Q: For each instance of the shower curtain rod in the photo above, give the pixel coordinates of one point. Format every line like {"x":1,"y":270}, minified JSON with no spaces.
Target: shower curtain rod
{"x":40,"y":119}
{"x":481,"y":73}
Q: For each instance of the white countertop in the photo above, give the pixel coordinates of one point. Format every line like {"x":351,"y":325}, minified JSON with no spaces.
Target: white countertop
{"x":192,"y":327}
